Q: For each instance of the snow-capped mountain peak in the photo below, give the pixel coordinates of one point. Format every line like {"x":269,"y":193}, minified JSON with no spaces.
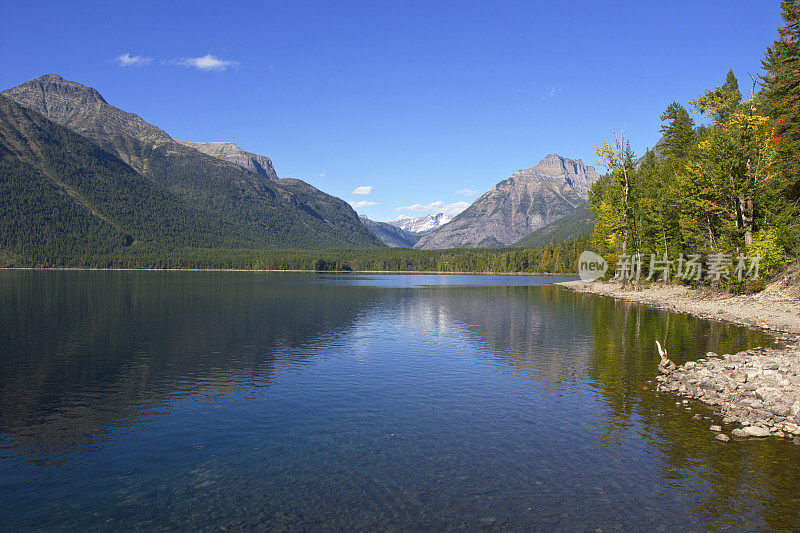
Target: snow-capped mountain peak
{"x":422,"y":224}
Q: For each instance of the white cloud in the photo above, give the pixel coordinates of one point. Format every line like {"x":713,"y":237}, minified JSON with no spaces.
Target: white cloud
{"x":364,"y":189}
{"x":363,"y":203}
{"x":465,"y":192}
{"x":207,"y":62}
{"x":127,"y":60}
{"x":436,"y":207}
{"x":551,"y":92}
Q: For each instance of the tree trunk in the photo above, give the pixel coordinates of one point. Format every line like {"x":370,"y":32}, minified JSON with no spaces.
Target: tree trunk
{"x":625,"y":189}
{"x":746,"y":206}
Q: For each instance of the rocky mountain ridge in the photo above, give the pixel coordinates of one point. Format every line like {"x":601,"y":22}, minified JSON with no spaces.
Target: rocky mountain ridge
{"x":227,"y":151}
{"x":526,"y":201}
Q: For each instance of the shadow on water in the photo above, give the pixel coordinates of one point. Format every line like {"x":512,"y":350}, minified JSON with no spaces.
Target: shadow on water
{"x":271,"y":401}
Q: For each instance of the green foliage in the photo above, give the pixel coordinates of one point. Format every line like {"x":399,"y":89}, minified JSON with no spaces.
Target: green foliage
{"x":575,"y":225}
{"x":679,"y":133}
{"x":720,"y":102}
{"x":766,"y":245}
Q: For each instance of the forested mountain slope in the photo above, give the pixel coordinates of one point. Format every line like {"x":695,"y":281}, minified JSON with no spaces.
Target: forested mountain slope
{"x":245,"y":208}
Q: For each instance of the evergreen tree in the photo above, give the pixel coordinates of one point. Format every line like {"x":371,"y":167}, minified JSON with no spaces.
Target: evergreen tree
{"x":679,"y":134}
{"x":781,"y":93}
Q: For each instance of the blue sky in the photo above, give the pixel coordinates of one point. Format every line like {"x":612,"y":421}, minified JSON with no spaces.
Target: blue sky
{"x":419,"y":103}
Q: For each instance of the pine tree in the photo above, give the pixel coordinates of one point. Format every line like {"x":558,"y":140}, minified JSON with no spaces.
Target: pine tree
{"x":781,"y":93}
{"x":679,"y":135}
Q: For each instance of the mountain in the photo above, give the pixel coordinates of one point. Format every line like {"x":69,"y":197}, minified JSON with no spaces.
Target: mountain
{"x":421,"y":225}
{"x":251,"y":207}
{"x":578,"y":223}
{"x":390,"y":234}
{"x":63,"y":196}
{"x":84,"y":111}
{"x":515,"y":207}
{"x":658,"y":151}
{"x":406,"y":231}
{"x":233,"y":154}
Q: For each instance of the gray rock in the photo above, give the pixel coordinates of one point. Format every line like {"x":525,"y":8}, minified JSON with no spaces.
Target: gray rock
{"x":722,"y":437}
{"x":231,"y":153}
{"x":739,"y":377}
{"x":781,"y":409}
{"x":739,"y":433}
{"x":756,"y":431}
{"x":715,"y":428}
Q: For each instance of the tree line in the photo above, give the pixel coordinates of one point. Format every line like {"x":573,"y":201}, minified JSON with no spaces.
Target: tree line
{"x":555,"y":258}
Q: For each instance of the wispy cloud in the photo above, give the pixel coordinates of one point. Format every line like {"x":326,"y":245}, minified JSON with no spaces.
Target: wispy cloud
{"x":127,"y":60}
{"x":207,"y":62}
{"x":364,"y":189}
{"x":465,"y":192}
{"x":551,"y":92}
{"x":436,"y":207}
{"x":363,"y":203}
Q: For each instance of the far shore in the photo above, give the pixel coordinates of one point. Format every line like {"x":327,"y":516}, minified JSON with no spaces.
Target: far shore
{"x":442,"y":272}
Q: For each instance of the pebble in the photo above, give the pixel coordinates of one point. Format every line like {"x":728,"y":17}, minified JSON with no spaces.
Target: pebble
{"x":716,"y":428}
{"x":722,"y":437}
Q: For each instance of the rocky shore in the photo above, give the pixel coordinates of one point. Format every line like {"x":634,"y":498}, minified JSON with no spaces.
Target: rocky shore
{"x":758,"y":390}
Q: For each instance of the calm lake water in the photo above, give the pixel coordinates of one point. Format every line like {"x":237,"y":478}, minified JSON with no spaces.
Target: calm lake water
{"x":177,"y":400}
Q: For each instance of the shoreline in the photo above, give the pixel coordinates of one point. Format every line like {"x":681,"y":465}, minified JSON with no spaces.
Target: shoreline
{"x":438,"y":272}
{"x":772,"y":310}
{"x":756,"y":392}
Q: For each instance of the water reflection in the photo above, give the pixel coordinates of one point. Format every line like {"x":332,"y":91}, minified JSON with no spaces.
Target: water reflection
{"x":360,"y":402}
{"x":85,"y":353}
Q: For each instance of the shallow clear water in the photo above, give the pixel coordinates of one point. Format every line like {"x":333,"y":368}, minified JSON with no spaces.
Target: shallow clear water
{"x":178,"y":400}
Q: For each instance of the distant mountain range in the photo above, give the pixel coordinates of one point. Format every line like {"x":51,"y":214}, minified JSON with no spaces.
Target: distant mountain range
{"x":406,"y":231}
{"x":421,"y":225}
{"x":80,"y":177}
{"x":515,"y":207}
{"x":107,"y":177}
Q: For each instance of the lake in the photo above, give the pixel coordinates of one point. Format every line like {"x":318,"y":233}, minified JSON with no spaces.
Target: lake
{"x":288,"y":401}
